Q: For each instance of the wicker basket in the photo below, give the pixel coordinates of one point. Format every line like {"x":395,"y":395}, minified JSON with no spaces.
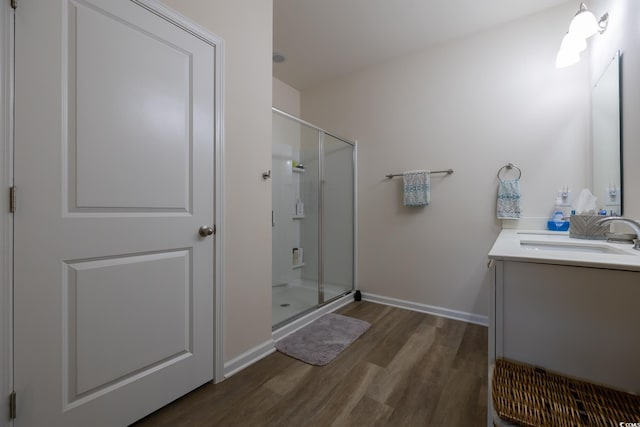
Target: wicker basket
{"x":533,"y":397}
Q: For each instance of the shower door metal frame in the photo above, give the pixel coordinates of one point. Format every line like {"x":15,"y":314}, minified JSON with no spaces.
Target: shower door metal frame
{"x":321,"y":218}
{"x":321,"y":134}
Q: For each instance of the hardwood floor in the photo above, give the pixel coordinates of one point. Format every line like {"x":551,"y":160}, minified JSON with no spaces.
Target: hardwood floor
{"x":408,"y":369}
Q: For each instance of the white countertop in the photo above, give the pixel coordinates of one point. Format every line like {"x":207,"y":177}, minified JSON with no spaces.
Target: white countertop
{"x":508,"y":247}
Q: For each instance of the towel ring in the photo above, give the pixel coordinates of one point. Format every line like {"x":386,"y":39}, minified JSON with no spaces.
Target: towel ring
{"x":509,"y":166}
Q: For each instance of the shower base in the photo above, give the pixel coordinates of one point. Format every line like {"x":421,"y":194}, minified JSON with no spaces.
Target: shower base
{"x":298,"y":296}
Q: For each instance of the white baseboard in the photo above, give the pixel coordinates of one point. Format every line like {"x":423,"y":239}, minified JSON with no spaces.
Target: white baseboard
{"x":247,"y":358}
{"x":290,"y":328}
{"x":261,"y":351}
{"x":429,"y":309}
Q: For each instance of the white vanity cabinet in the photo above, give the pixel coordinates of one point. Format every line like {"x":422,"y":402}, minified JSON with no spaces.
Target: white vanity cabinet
{"x":574,"y":313}
{"x":580,"y":321}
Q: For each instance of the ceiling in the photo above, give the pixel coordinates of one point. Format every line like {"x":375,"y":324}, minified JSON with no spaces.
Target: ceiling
{"x":322,"y":39}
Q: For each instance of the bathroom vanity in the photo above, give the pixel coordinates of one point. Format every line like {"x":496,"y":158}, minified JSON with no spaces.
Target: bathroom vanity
{"x":568,"y":305}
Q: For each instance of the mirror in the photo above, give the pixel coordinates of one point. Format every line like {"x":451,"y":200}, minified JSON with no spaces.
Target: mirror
{"x":607,"y":141}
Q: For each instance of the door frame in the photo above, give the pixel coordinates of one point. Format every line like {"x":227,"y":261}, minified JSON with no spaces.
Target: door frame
{"x":6,"y":218}
{"x":6,"y":181}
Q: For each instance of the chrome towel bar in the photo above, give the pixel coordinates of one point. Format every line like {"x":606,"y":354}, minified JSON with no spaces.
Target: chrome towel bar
{"x":447,"y":171}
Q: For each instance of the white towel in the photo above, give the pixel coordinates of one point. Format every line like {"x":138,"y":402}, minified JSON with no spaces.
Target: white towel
{"x":508,"y":199}
{"x":417,"y":186}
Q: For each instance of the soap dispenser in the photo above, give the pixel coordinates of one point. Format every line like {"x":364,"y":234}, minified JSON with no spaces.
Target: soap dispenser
{"x":560,"y":206}
{"x":559,"y":218}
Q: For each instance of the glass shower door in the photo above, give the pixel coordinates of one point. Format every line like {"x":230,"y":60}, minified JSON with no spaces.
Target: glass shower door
{"x":312,"y":223}
{"x":337,"y":218}
{"x":294,"y":220}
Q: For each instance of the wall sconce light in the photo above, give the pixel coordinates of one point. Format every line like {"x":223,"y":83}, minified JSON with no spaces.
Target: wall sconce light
{"x":583,"y":25}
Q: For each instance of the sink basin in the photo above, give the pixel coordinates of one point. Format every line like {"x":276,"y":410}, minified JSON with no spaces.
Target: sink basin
{"x":590,"y":248}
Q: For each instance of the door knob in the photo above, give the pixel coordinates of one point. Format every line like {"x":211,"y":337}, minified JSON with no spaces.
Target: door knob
{"x":205,"y":231}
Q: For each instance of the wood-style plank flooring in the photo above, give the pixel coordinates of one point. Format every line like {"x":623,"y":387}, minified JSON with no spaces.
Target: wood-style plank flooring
{"x":408,"y":369}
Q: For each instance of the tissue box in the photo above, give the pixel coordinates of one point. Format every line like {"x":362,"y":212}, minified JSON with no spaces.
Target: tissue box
{"x":585,"y":227}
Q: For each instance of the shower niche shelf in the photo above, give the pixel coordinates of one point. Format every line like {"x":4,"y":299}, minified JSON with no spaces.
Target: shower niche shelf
{"x":297,"y":217}
{"x":296,"y":266}
{"x":299,"y":170}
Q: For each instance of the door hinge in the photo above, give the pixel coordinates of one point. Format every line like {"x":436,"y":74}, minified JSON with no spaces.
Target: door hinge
{"x":12,"y":405}
{"x":12,"y":199}
{"x":214,"y":229}
{"x":14,"y":4}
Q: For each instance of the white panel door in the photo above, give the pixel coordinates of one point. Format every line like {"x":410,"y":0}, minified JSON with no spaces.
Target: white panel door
{"x":114,"y":155}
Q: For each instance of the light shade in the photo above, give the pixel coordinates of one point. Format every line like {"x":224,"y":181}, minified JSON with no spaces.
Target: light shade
{"x":573,"y":43}
{"x":584,"y":24}
{"x":566,"y":58}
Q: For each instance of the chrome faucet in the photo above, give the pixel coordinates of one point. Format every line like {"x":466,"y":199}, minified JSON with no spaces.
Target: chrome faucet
{"x":631,"y":223}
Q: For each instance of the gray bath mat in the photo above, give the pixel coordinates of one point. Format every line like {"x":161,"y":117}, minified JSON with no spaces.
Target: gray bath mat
{"x":322,"y":340}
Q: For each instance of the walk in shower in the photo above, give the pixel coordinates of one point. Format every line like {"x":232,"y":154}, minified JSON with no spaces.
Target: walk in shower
{"x":313,"y":217}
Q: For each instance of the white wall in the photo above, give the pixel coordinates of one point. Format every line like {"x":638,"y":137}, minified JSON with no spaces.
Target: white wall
{"x":623,"y":33}
{"x":246,"y":27}
{"x":471,"y":105}
{"x":286,"y":98}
